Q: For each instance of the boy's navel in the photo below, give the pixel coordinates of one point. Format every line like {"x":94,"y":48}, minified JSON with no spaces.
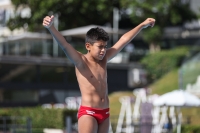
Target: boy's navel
{"x":102,"y":99}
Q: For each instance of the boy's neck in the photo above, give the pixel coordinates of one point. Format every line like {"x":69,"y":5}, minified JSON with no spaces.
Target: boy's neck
{"x":91,"y":58}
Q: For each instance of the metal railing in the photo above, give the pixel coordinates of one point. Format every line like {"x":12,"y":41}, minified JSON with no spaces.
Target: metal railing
{"x":15,"y":124}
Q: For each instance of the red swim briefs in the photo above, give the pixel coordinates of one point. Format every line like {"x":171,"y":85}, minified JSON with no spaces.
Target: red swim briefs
{"x":99,"y":114}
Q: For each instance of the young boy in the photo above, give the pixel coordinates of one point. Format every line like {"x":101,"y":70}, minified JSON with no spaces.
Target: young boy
{"x":91,"y":73}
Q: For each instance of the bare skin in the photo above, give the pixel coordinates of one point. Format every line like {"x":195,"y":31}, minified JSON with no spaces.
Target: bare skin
{"x":91,"y":71}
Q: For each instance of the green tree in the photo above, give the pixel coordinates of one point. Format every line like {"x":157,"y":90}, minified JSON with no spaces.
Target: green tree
{"x":72,"y":13}
{"x":166,"y":13}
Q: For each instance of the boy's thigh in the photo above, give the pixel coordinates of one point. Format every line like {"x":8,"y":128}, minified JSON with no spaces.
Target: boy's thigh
{"x":87,"y":124}
{"x":104,"y":126}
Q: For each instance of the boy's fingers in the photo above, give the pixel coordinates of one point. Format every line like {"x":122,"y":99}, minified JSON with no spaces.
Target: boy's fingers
{"x":48,"y":21}
{"x":52,"y":16}
{"x":47,"y":18}
{"x":152,"y":24}
{"x":45,"y":22}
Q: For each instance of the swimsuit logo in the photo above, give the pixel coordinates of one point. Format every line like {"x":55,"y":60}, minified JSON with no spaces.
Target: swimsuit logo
{"x":107,"y":112}
{"x":90,"y":112}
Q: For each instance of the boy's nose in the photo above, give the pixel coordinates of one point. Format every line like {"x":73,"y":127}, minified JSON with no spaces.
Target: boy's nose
{"x":103,"y":49}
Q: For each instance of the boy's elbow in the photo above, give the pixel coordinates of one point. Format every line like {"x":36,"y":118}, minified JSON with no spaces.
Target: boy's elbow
{"x":124,"y":39}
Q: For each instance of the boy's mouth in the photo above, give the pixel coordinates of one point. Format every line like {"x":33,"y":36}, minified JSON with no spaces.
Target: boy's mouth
{"x":101,"y":54}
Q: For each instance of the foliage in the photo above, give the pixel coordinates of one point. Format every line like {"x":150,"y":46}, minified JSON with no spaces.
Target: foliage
{"x":42,"y":118}
{"x":167,"y":83}
{"x":190,"y":129}
{"x":72,"y":13}
{"x":166,"y":13}
{"x":160,"y":63}
{"x":75,"y":13}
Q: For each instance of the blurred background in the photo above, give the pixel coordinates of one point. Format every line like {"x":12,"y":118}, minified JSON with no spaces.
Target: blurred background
{"x":38,"y":87}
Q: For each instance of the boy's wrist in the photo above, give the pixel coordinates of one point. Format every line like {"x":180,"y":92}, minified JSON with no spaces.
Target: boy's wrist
{"x":142,"y":26}
{"x":145,"y":25}
{"x":49,"y":26}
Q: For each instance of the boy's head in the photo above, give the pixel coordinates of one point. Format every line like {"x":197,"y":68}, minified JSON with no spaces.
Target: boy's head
{"x":96,"y":43}
{"x":96,"y":34}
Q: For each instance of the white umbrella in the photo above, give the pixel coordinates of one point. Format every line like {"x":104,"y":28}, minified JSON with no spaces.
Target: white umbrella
{"x":177,"y":98}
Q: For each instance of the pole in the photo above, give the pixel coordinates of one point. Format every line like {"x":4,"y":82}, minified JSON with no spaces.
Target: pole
{"x":180,"y":79}
{"x":68,"y":124}
{"x":28,"y":125}
{"x":55,"y":45}
{"x":115,"y":24}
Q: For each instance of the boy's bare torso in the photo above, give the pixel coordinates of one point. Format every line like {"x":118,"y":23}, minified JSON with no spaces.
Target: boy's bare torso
{"x":92,"y":79}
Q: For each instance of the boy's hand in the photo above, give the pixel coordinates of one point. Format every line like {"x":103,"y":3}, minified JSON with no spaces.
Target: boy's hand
{"x":148,"y":22}
{"x":48,"y":21}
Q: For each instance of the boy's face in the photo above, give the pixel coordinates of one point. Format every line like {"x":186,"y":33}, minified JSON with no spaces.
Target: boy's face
{"x":97,"y":49}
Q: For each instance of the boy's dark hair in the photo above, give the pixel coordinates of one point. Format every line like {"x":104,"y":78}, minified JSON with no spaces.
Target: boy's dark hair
{"x":96,"y":34}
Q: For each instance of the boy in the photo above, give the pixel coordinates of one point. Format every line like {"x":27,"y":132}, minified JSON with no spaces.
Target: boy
{"x":91,"y":73}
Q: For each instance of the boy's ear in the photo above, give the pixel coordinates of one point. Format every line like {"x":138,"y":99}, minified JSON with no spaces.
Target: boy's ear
{"x":87,"y":46}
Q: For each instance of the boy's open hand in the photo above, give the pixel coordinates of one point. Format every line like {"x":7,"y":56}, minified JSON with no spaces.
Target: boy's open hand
{"x":48,"y":21}
{"x":148,"y":22}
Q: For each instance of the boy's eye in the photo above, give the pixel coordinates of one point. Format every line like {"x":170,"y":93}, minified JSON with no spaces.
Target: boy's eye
{"x":101,"y":47}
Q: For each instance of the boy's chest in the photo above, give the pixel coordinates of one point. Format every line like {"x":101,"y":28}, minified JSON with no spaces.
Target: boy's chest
{"x":98,"y":71}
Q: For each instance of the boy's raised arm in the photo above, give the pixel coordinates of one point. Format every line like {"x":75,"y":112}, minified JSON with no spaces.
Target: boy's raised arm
{"x":127,"y":37}
{"x":71,"y":53}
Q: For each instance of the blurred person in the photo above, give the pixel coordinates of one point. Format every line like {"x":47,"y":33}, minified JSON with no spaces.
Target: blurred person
{"x":168,"y":125}
{"x":91,"y":72}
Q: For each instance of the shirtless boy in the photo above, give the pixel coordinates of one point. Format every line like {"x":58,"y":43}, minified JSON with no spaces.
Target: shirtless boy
{"x":91,"y":72}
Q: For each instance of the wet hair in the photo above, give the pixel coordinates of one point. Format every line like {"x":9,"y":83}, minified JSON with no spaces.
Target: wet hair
{"x":96,"y":34}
